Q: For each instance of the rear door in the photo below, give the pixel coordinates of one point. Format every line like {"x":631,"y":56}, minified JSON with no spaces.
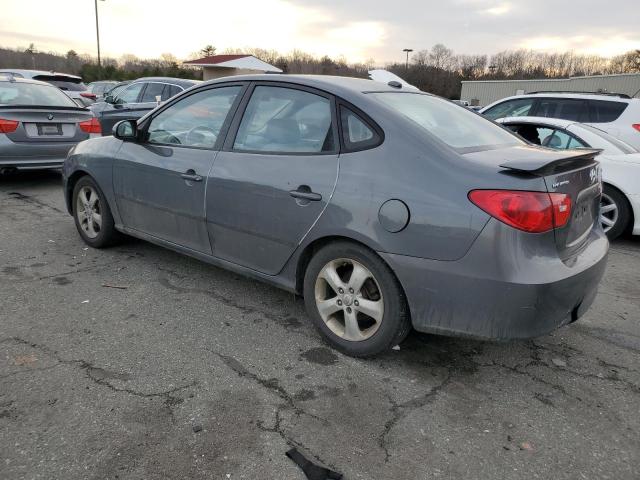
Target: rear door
{"x":160,"y":180}
{"x":274,"y":177}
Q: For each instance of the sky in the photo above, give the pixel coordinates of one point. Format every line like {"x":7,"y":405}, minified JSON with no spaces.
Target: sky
{"x":356,"y":29}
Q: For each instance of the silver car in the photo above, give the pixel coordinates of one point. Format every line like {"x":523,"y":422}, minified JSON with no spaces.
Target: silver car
{"x":39,"y":124}
{"x":72,"y":85}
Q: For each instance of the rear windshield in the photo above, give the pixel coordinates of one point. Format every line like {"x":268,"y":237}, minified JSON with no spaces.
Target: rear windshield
{"x":31,"y":94}
{"x":63,"y":83}
{"x":456,"y":126}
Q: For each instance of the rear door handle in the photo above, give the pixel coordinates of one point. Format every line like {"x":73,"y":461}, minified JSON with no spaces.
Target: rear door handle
{"x":304,"y":193}
{"x":191,"y":175}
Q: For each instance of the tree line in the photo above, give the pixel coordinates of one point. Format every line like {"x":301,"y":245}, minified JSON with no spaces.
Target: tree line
{"x":438,"y":70}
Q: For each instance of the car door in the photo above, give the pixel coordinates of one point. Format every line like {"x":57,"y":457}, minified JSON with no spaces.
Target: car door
{"x":160,"y":180}
{"x":126,"y":106}
{"x":274,"y":176}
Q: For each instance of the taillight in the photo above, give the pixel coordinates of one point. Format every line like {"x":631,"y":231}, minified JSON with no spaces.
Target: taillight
{"x":534,"y":212}
{"x":8,"y":126}
{"x":636,"y":126}
{"x":90,"y":126}
{"x":90,"y":95}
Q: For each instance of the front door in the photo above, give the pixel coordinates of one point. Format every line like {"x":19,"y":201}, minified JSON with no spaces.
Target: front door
{"x":274,"y":177}
{"x":160,"y":181}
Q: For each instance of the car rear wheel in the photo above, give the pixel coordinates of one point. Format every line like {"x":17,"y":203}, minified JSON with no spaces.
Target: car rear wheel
{"x":355,"y":300}
{"x":92,"y":214}
{"x":614,"y":212}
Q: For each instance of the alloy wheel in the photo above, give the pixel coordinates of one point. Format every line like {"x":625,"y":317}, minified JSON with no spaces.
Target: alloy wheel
{"x":608,"y":212}
{"x":349,"y":299}
{"x":88,"y":212}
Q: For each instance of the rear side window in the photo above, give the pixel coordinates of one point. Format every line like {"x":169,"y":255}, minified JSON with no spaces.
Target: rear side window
{"x":459,"y":128}
{"x":510,"y":108}
{"x":171,"y":91}
{"x":357,"y":133}
{"x":286,"y":120}
{"x":603,"y":111}
{"x":566,"y":109}
{"x":152,"y":91}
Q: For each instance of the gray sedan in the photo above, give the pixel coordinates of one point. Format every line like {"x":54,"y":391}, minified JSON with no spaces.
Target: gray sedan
{"x":386,"y":208}
{"x":39,"y":124}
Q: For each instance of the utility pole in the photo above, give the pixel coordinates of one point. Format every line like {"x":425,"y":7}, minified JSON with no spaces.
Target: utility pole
{"x":407,"y":51}
{"x":98,"y":34}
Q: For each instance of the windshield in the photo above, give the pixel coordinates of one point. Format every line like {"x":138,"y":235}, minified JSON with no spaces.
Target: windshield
{"x":26,"y":94}
{"x":618,"y":144}
{"x":456,"y":126}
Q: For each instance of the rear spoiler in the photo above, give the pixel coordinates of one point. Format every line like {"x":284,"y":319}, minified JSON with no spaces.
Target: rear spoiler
{"x":542,"y":166}
{"x":43,"y":107}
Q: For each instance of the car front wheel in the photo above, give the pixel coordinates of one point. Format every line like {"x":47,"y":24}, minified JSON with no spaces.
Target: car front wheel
{"x":355,"y":300}
{"x":92,"y":214}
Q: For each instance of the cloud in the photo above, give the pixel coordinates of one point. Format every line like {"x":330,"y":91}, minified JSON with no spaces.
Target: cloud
{"x":605,"y":45}
{"x":500,"y":9}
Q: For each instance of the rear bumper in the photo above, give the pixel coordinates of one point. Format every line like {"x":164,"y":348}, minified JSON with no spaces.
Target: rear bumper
{"x":31,"y":163}
{"x":516,"y":295}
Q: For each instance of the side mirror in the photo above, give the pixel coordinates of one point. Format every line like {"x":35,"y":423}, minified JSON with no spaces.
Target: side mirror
{"x":126,"y":130}
{"x":109,"y":99}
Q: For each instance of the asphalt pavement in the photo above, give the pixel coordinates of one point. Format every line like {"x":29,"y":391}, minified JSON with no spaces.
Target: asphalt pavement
{"x":138,"y":363}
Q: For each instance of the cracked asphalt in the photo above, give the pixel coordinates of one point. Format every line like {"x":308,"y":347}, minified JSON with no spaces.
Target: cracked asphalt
{"x":189,"y":371}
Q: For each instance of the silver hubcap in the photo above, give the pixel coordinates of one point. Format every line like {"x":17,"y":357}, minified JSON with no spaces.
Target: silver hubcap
{"x":608,"y":212}
{"x":89,"y":212}
{"x":349,"y":299}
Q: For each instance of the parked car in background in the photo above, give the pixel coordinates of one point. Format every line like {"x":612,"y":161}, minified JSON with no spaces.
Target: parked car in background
{"x":620,"y":204}
{"x":39,"y":124}
{"x":384,"y":206}
{"x":101,"y":87}
{"x":618,"y":115}
{"x":72,"y":85}
{"x":137,"y":98}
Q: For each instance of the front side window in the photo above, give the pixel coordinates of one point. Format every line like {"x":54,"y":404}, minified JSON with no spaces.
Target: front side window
{"x":129,"y":94}
{"x":510,"y":108}
{"x":285,"y":120}
{"x":457,"y":127}
{"x":194,"y":121}
{"x":532,"y":133}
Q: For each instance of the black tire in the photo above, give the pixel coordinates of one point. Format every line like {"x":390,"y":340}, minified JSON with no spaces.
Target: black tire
{"x":107,"y":234}
{"x":624,"y":211}
{"x":395,"y":323}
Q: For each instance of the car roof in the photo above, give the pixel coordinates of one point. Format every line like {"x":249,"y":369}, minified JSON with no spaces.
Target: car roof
{"x":182,"y":82}
{"x":555,"y":122}
{"x":331,"y":83}
{"x":35,"y":73}
{"x":576,"y":95}
{"x":4,"y":77}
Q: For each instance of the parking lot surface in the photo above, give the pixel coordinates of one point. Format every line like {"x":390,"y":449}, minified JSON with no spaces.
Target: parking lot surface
{"x":139,"y":363}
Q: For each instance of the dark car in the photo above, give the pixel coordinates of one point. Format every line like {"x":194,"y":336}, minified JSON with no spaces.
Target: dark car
{"x":386,"y":208}
{"x":136,"y":99}
{"x":39,"y":124}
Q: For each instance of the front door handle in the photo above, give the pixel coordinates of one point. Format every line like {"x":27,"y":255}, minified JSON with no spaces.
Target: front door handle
{"x":191,"y":175}
{"x":304,"y":193}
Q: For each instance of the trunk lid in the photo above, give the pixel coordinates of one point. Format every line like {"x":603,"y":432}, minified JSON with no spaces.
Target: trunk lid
{"x":46,"y":124}
{"x":575,"y":173}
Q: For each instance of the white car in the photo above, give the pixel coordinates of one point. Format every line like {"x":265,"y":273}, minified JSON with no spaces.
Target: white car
{"x":618,"y":115}
{"x":620,"y":205}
